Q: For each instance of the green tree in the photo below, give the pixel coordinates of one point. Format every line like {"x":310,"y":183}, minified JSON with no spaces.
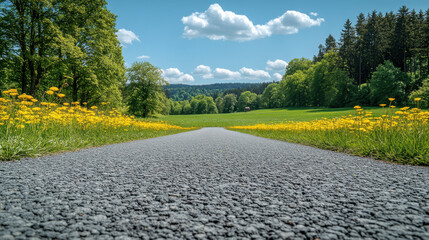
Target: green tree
{"x":272,"y":96}
{"x":230,"y":101}
{"x":388,"y":82}
{"x":348,"y":45}
{"x":423,"y":93}
{"x":220,"y":104}
{"x":295,"y":89}
{"x":298,"y":64}
{"x":247,"y":99}
{"x":146,"y":94}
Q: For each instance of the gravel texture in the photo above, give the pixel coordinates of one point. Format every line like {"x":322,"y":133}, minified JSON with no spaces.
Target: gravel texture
{"x":211,"y":184}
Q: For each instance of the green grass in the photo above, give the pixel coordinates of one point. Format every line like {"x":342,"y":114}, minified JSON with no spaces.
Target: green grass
{"x":400,"y":146}
{"x":259,"y":116}
{"x":30,"y":142}
{"x":393,"y":146}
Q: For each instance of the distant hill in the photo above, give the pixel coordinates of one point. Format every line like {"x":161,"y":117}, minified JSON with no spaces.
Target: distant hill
{"x":180,"y":92}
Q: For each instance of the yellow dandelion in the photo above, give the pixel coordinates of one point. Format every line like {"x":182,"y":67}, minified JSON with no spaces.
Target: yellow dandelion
{"x":61,"y":95}
{"x":417,"y":99}
{"x":49,"y":92}
{"x":391,"y":99}
{"x":382,"y":105}
{"x":94,"y":107}
{"x":54,"y":89}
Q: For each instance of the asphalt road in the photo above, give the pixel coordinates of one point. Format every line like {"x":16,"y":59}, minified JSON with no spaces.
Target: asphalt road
{"x":212,"y":183}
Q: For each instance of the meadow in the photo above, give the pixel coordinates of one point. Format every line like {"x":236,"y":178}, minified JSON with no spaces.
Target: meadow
{"x":29,"y":127}
{"x":266,"y":116}
{"x":387,"y":133}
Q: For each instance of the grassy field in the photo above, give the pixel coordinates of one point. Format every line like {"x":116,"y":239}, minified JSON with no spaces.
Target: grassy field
{"x":260,"y":116}
{"x":29,"y":127}
{"x":395,"y":135}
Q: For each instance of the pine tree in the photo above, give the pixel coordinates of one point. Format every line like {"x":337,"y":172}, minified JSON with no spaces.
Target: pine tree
{"x":348,"y":45}
{"x":400,"y":42}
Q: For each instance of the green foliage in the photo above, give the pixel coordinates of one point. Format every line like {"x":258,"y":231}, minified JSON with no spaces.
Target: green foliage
{"x":423,"y":93}
{"x":229,"y":103}
{"x":298,"y":64}
{"x":247,"y":99}
{"x":145,"y":89}
{"x":272,"y":96}
{"x":388,"y":82}
{"x":328,"y":79}
{"x":295,"y":89}
{"x":70,"y":44}
{"x":180,"y":92}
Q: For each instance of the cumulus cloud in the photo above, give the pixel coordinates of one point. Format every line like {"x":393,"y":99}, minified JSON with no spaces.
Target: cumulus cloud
{"x":314,"y":14}
{"x":217,"y":24}
{"x":225,"y":74}
{"x":174,"y":75}
{"x":126,"y":37}
{"x":277,"y":76}
{"x":251,"y":74}
{"x":204,"y":71}
{"x":143,"y":57}
{"x":277,"y":65}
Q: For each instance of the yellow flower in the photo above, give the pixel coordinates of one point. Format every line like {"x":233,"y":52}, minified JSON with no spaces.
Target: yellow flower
{"x":49,"y":92}
{"x":85,"y":103}
{"x":13,"y":93}
{"x":6,"y":92}
{"x":382,"y":105}
{"x":405,"y":108}
{"x":417,"y":99}
{"x":94,"y":107}
{"x":357,"y":107}
{"x":392,"y":106}
{"x":66,"y":104}
{"x":54,"y":89}
{"x":61,"y":95}
{"x":391,"y":99}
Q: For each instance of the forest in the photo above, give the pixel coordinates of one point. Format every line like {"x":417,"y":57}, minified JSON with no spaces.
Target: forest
{"x":72,"y":44}
{"x":381,"y":56}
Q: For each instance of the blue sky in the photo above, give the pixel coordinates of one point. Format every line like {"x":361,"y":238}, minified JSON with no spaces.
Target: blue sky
{"x":203,"y":42}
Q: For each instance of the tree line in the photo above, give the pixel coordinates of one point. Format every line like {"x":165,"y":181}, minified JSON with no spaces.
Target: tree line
{"x":70,"y":44}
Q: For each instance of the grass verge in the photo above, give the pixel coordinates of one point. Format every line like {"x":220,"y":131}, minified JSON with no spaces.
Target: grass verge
{"x":401,"y":137}
{"x":27,"y":143}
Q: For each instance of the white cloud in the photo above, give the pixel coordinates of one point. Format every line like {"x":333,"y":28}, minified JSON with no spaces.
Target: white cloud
{"x":277,"y":65}
{"x":277,"y":76}
{"x":217,"y":24}
{"x":204,"y":71}
{"x":251,"y":74}
{"x":314,"y":14}
{"x":225,"y":74}
{"x":174,"y":75}
{"x":143,"y":57}
{"x":126,"y":37}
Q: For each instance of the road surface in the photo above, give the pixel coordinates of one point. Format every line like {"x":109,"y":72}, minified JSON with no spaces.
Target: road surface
{"x":212,"y":183}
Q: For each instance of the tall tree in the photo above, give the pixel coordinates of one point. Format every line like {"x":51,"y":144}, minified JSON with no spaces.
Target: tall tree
{"x":330,"y":43}
{"x":145,"y":88}
{"x":348,"y":45}
{"x":400,"y":47}
{"x":360,"y":32}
